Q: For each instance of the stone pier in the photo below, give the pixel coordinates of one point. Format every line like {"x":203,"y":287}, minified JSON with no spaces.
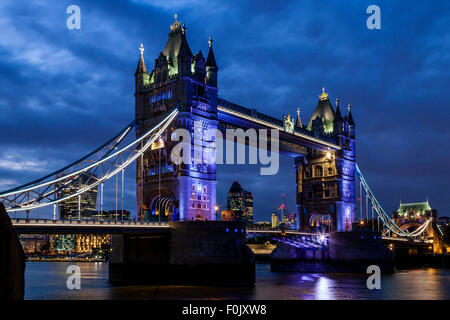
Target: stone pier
{"x":191,"y":252}
{"x":12,"y":260}
{"x":350,"y":252}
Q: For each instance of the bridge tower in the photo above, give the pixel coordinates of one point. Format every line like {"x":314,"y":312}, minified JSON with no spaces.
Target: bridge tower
{"x":165,"y":190}
{"x":326,"y":178}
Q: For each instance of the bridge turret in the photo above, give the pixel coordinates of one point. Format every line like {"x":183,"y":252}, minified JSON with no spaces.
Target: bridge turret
{"x":350,"y":123}
{"x":184,"y":56}
{"x":338,"y":122}
{"x":211,"y":66}
{"x":141,"y":75}
{"x":179,"y":79}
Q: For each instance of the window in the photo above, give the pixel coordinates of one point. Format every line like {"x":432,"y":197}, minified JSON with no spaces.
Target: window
{"x":193,"y":196}
{"x":330,"y":171}
{"x":318,"y":171}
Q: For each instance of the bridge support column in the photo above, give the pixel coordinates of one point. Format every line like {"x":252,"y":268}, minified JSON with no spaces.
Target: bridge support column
{"x":191,"y":252}
{"x":344,"y":252}
{"x":12,"y":260}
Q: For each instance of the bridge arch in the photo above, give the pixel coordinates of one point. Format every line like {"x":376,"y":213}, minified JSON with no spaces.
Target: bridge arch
{"x":321,"y":221}
{"x":160,"y":206}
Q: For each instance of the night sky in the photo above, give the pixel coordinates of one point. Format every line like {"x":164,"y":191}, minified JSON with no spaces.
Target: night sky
{"x":65,"y":92}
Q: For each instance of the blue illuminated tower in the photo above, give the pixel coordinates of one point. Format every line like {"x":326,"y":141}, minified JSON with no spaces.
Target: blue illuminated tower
{"x":166,"y":191}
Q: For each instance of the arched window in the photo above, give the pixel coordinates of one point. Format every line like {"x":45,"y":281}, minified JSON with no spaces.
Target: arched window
{"x":318,"y":171}
{"x":330,"y":171}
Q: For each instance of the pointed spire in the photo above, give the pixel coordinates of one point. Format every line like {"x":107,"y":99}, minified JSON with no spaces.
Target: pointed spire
{"x":184,"y":46}
{"x":211,"y":60}
{"x":299,"y":120}
{"x":141,"y":68}
{"x":337,"y":114}
{"x":176,"y":24}
{"x":350,"y":117}
{"x":324,"y":95}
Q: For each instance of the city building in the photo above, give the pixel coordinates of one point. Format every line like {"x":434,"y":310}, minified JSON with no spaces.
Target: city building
{"x":414,"y":211}
{"x":229,"y":215}
{"x":34,"y":243}
{"x":78,"y":243}
{"x":240,"y":203}
{"x":274,"y":220}
{"x":83,"y":205}
{"x":111,"y":215}
{"x":263,"y":224}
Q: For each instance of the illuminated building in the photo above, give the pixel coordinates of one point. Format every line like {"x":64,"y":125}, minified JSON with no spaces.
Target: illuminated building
{"x":240,"y":202}
{"x":34,"y":243}
{"x":274,"y":220}
{"x":325,"y":178}
{"x":87,"y":201}
{"x":414,"y":211}
{"x":63,"y":243}
{"x":228,"y":215}
{"x":78,"y":243}
{"x":111,"y":215}
{"x":90,"y":243}
{"x":410,"y":216}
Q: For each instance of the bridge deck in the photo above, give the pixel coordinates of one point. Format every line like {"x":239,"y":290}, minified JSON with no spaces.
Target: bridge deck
{"x":233,"y":115}
{"x":86,"y":226}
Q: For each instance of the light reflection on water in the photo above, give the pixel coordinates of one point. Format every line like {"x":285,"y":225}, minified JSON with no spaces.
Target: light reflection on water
{"x":47,"y":280}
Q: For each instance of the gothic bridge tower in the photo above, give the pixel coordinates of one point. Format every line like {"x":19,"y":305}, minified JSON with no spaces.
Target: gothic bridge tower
{"x":166,"y":191}
{"x":326,"y":179}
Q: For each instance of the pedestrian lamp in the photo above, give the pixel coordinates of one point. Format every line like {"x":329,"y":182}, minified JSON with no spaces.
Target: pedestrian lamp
{"x":216,"y":208}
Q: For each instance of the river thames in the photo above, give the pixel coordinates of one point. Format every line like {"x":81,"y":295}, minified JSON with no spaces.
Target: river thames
{"x":47,"y":280}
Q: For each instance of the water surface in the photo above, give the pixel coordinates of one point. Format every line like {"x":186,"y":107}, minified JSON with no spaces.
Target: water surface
{"x":47,"y":280}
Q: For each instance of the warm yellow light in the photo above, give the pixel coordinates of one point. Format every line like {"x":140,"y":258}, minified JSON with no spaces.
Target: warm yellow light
{"x":157,"y":145}
{"x":329,"y":156}
{"x":361,"y":222}
{"x":216,"y":208}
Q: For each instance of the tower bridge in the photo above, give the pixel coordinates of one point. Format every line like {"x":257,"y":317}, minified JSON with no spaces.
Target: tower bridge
{"x":181,"y":92}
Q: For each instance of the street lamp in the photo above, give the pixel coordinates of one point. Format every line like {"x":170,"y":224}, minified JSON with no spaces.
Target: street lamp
{"x":216,"y":208}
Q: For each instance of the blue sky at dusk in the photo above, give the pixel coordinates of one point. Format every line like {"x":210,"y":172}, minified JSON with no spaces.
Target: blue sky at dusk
{"x":65,"y":92}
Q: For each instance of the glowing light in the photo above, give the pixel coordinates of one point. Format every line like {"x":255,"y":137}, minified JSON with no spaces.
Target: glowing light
{"x":216,"y":208}
{"x":329,"y":155}
{"x":322,"y":238}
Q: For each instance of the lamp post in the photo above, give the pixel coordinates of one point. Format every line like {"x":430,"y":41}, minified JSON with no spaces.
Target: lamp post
{"x":216,"y":208}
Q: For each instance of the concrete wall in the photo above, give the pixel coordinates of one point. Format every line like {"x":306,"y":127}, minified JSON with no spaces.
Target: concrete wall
{"x":12,"y":260}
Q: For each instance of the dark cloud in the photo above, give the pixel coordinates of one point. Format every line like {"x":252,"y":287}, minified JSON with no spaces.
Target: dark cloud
{"x":64,"y":92}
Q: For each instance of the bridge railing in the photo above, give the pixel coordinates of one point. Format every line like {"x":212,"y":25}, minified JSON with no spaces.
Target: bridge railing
{"x":23,"y":221}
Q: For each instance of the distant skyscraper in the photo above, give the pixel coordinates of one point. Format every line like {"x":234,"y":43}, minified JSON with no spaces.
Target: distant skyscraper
{"x":248,"y":206}
{"x":240,"y":202}
{"x":68,"y":209}
{"x":274,"y":220}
